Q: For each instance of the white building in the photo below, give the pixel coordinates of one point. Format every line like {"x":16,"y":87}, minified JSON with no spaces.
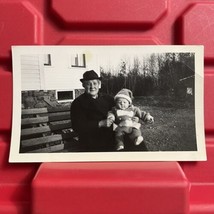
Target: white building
{"x":59,"y":71}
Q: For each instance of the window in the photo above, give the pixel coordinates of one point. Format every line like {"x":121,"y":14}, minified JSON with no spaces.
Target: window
{"x":65,"y":95}
{"x":78,"y":60}
{"x":47,"y":59}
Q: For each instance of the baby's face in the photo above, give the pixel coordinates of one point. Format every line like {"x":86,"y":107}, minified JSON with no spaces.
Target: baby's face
{"x":122,"y":103}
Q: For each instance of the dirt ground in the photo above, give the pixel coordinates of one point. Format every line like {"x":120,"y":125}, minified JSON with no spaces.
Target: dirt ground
{"x":174,"y":124}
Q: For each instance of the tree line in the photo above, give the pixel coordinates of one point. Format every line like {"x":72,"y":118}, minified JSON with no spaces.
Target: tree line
{"x":154,"y":74}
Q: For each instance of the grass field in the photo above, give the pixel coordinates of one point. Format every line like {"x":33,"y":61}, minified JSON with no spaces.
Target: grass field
{"x":174,"y":126}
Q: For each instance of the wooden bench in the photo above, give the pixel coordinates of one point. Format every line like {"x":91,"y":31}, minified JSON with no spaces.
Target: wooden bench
{"x":46,"y":130}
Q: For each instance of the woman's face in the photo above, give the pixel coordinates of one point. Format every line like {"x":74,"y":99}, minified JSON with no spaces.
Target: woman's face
{"x":122,"y":103}
{"x":92,"y":87}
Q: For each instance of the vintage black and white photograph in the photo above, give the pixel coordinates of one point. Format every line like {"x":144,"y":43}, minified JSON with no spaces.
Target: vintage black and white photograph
{"x":107,"y":103}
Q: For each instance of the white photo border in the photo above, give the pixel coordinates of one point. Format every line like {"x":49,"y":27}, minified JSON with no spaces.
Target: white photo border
{"x":199,"y":155}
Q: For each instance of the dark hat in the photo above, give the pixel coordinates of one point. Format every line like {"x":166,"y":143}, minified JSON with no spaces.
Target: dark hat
{"x":90,"y":75}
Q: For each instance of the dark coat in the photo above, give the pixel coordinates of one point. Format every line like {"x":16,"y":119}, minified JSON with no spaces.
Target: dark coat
{"x":86,"y":113}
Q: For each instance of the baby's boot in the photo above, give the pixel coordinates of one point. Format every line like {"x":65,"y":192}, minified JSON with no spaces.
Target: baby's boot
{"x":138,"y":140}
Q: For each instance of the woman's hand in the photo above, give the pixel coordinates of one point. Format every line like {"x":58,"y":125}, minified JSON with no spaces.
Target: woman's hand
{"x":135,"y":119}
{"x":105,"y":123}
{"x":126,"y":123}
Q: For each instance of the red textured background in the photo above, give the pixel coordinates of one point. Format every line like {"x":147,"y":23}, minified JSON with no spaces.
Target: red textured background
{"x":74,"y":22}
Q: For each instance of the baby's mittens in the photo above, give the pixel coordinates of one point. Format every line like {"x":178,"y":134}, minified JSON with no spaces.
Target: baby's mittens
{"x":149,"y":118}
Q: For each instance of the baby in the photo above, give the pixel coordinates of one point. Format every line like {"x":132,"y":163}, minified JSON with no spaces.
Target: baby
{"x":125,"y":117}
